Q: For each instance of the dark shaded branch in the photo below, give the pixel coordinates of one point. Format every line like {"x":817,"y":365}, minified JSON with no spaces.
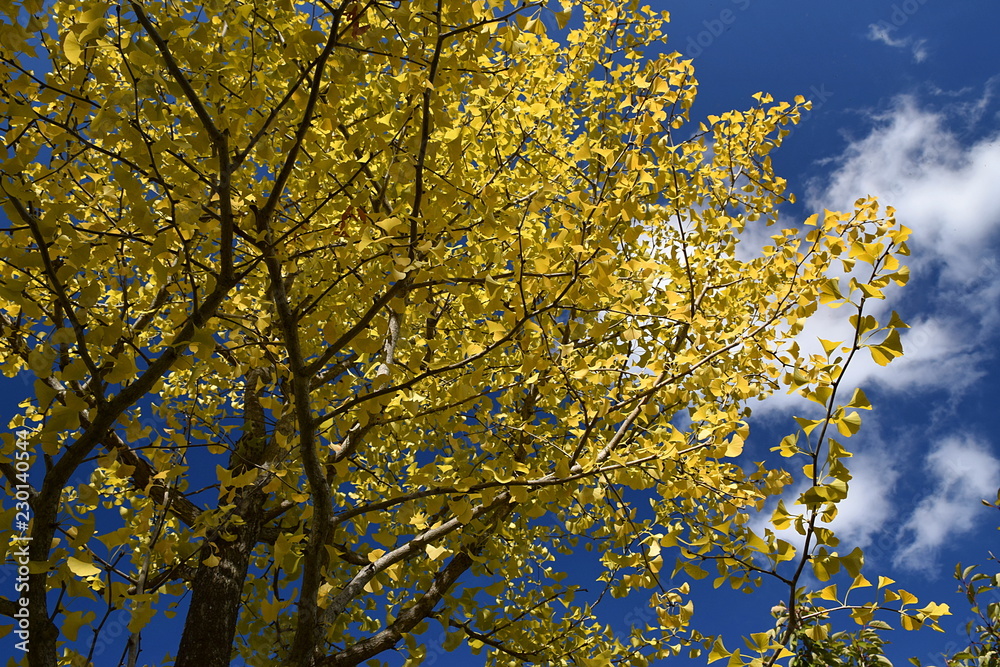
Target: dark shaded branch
{"x":407,"y":619}
{"x":176,"y":73}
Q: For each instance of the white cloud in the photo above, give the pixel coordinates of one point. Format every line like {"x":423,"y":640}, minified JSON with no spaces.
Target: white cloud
{"x":883,"y":33}
{"x":943,"y":186}
{"x":868,"y":507}
{"x":945,"y":191}
{"x":864,"y":518}
{"x":936,"y":350}
{"x":963,"y":472}
{"x":972,"y":110}
{"x":959,"y":471}
{"x":939,"y":353}
{"x":877,"y":33}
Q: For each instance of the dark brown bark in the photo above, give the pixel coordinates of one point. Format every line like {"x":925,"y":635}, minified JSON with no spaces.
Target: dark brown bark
{"x":217,"y":590}
{"x":144,"y":480}
{"x":407,"y":619}
{"x":217,"y":593}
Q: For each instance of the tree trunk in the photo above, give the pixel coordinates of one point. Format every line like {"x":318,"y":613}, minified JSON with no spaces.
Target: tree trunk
{"x":217,"y":592}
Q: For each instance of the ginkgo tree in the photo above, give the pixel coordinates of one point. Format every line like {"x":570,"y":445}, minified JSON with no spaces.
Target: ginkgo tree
{"x":343,"y":321}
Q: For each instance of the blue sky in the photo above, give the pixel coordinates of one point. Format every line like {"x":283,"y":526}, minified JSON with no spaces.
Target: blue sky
{"x":905,"y":108}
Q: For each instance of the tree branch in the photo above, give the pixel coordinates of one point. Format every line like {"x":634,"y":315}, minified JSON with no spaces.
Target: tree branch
{"x":407,"y":619}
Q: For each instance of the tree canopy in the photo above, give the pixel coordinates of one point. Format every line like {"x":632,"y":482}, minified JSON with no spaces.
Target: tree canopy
{"x":346,"y":320}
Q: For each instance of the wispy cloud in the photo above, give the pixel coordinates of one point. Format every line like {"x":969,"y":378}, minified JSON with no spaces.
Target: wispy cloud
{"x":972,"y":110}
{"x":883,"y":33}
{"x":963,"y":472}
